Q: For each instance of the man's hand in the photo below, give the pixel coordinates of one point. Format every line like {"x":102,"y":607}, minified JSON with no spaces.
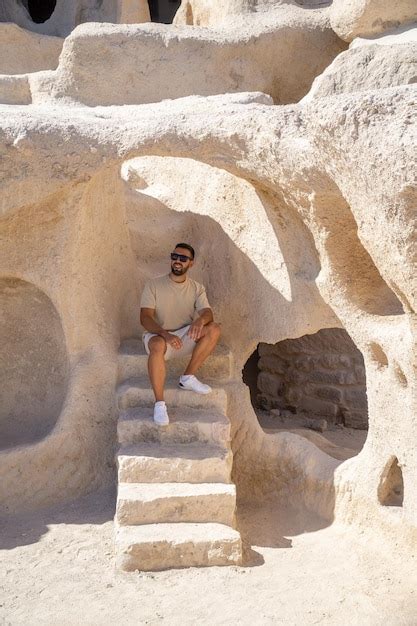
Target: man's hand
{"x":196,"y":329}
{"x":173,"y":341}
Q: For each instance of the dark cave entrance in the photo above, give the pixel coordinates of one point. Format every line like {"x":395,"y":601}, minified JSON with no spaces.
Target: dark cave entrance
{"x":41,"y":10}
{"x":163,"y":10}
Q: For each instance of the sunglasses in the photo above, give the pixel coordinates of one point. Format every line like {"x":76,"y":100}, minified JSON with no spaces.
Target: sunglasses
{"x":180,"y":257}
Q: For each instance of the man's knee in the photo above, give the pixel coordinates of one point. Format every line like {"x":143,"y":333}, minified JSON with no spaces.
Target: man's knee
{"x":214,"y":330}
{"x":157,"y":345}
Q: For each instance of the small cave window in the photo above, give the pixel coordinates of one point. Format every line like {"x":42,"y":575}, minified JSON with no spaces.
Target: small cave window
{"x":312,"y":383}
{"x":391,"y":487}
{"x":163,"y":11}
{"x":41,"y":10}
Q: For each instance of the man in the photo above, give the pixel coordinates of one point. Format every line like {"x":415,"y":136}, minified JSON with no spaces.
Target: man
{"x":179,"y":322}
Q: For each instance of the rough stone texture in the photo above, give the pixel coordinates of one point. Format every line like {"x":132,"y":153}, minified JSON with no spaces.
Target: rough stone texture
{"x":326,"y":187}
{"x":15,"y":89}
{"x":161,"y":503}
{"x":179,"y":473}
{"x":133,"y":362}
{"x":364,"y":18}
{"x":199,"y":462}
{"x":69,"y":13}
{"x":366,"y":67}
{"x":22,"y":51}
{"x":210,"y":13}
{"x":163,"y":62}
{"x":137,"y":393}
{"x":321,"y":374}
{"x":162,"y":546}
{"x":186,"y":425}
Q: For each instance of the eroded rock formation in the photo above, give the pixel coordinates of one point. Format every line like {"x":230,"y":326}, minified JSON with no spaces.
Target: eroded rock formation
{"x":303,"y":217}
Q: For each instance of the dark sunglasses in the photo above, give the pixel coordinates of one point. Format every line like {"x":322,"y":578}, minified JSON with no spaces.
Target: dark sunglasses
{"x":180,"y":257}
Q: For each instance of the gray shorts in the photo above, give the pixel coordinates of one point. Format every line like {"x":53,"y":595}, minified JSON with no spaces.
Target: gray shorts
{"x":188,"y":344}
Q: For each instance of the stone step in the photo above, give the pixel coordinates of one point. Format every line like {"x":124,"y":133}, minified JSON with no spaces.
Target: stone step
{"x":186,"y":425}
{"x":155,"y":547}
{"x":148,"y":503}
{"x":137,"y":392}
{"x":181,"y":463}
{"x":133,"y":362}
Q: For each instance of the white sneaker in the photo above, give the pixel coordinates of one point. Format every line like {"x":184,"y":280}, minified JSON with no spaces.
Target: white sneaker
{"x":191,"y":383}
{"x":160,"y":414}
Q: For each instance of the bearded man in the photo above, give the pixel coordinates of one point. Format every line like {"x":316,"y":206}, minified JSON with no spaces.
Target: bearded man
{"x":178,"y":320}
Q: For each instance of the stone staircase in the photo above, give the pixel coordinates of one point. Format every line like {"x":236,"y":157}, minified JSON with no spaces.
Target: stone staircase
{"x":175,"y":501}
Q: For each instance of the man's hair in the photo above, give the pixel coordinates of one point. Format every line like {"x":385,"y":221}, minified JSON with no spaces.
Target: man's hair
{"x":187,"y":247}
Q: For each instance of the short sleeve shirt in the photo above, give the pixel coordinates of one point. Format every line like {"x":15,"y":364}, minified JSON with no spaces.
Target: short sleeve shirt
{"x":176,"y":304}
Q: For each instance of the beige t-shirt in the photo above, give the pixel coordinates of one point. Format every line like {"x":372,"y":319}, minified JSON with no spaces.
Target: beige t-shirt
{"x":175,"y":304}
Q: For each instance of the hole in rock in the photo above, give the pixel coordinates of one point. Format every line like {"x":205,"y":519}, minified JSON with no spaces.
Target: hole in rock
{"x":391,"y":487}
{"x":163,"y":11}
{"x":315,"y":385}
{"x":41,"y":10}
{"x":400,"y":376}
{"x":313,"y":4}
{"x":378,"y":356}
{"x":34,"y":366}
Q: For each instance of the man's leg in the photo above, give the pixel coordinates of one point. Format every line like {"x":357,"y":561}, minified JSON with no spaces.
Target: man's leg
{"x":205,"y":346}
{"x":156,"y":366}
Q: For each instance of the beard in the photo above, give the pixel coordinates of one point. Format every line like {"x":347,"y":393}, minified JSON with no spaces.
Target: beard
{"x":179,"y":271}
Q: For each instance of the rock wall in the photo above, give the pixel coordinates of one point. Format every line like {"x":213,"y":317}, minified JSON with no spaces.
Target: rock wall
{"x":322,"y":375}
{"x":22,"y":51}
{"x":163,"y":62}
{"x":68,"y":14}
{"x":330,"y":180}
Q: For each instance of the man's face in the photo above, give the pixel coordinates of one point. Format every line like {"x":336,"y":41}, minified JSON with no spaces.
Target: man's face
{"x":180,"y":266}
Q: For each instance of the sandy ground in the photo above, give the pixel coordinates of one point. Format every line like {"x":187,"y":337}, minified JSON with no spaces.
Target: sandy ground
{"x":56,"y":568}
{"x":339,"y":442}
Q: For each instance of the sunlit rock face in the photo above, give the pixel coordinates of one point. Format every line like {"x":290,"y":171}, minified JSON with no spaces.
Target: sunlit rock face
{"x":301,"y":208}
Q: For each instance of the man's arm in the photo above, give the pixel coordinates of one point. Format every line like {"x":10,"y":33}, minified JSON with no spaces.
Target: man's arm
{"x":147,"y":319}
{"x":205,"y":316}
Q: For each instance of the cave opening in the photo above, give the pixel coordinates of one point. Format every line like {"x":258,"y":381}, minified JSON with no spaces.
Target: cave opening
{"x":163,"y":11}
{"x":391,"y":487}
{"x":312,"y":383}
{"x":41,"y":10}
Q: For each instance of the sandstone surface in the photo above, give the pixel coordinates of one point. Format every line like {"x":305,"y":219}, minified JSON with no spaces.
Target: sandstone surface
{"x":364,"y":18}
{"x":67,"y":14}
{"x":208,"y":13}
{"x":163,"y":62}
{"x":371,"y":64}
{"x":22,"y":52}
{"x":303,"y":215}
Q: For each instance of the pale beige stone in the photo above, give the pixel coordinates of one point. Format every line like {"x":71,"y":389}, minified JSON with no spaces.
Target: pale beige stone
{"x":194,"y":462}
{"x":365,"y":67}
{"x":186,"y":425}
{"x":162,"y":546}
{"x":133,"y":362}
{"x":15,"y":89}
{"x":199,"y":61}
{"x":303,"y":217}
{"x":136,"y":392}
{"x":22,"y":51}
{"x":364,"y":18}
{"x":154,"y":503}
{"x":209,"y":13}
